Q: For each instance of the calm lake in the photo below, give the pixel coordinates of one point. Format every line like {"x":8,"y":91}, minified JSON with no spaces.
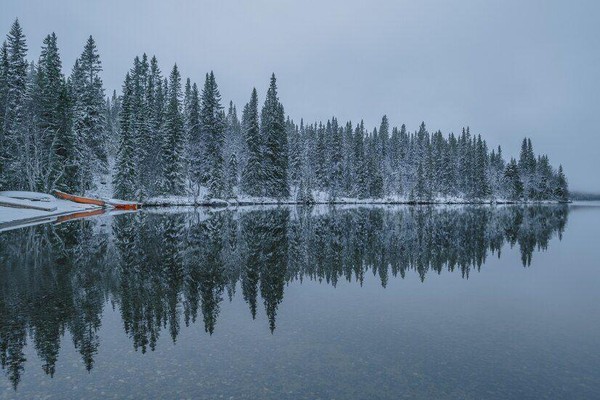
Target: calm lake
{"x":457,"y":302}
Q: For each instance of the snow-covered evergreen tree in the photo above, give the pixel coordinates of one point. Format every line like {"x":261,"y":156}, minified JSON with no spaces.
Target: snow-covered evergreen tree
{"x":48,"y":85}
{"x":174,"y":138}
{"x":252,"y":181}
{"x":124,"y":182}
{"x":66,"y":160}
{"x":11,"y":156}
{"x":561,"y":190}
{"x":275,"y":145}
{"x":88,"y":116}
{"x":232,"y":176}
{"x":513,"y":183}
{"x":3,"y":93}
{"x":212,"y":122}
{"x":151,"y":167}
{"x":195,"y":144}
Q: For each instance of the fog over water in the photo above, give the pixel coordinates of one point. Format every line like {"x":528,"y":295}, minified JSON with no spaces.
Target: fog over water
{"x":508,"y":69}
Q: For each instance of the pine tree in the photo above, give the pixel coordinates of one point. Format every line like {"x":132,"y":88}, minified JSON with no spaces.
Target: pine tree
{"x":232,"y":175}
{"x":124,"y":182}
{"x":562,"y":188}
{"x":195,"y":144}
{"x":336,"y":160}
{"x":187,"y":102}
{"x":212,"y":121}
{"x":295,"y":152}
{"x":275,"y":145}
{"x":3,"y":92}
{"x":88,"y":116}
{"x":480,"y":185}
{"x":321,"y":155}
{"x":252,"y":180}
{"x":514,"y":185}
{"x":234,"y":143}
{"x":11,"y":163}
{"x":50,"y":87}
{"x":151,"y":168}
{"x":527,"y":168}
{"x":360,"y":187}
{"x":66,"y":178}
{"x":33,"y":151}
{"x":173,"y":145}
{"x":375,"y":166}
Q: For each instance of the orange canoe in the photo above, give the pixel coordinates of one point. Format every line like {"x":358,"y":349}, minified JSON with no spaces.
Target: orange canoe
{"x":79,"y":199}
{"x":123,"y":205}
{"x":114,"y":203}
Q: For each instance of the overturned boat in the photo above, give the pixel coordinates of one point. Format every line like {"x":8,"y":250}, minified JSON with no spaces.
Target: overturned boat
{"x":106,"y":203}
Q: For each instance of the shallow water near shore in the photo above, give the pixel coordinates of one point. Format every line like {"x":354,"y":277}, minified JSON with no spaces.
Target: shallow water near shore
{"x":386,"y":302}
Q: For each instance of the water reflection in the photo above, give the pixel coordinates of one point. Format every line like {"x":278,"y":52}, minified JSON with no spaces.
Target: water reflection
{"x":165,"y":269}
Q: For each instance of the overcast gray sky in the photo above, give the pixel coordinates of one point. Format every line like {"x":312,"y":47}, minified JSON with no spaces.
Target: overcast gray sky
{"x":508,"y":69}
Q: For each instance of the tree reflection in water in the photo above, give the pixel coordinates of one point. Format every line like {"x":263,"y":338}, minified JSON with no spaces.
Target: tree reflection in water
{"x":162,"y":269}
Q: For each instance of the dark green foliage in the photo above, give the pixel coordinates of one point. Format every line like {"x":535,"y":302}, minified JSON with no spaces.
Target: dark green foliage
{"x":174,"y":139}
{"x":561,"y":190}
{"x":252,"y":175}
{"x":514,"y":185}
{"x":125,"y":170}
{"x":88,"y":115}
{"x":275,"y":153}
{"x":11,"y":158}
{"x":232,"y":175}
{"x":212,"y":121}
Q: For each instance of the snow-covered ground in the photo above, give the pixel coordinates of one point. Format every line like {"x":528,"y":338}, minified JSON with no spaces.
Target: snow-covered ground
{"x":18,"y":214}
{"x":318,"y":196}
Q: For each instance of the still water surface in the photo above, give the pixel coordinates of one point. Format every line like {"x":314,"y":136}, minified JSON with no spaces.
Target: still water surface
{"x":298,"y":303}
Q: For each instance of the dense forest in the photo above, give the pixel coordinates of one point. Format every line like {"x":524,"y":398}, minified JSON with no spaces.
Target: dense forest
{"x":165,"y":137}
{"x":163,"y":271}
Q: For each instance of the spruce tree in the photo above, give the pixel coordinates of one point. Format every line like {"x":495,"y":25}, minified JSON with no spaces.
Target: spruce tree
{"x":514,"y":185}
{"x":88,"y":116}
{"x":66,"y":176}
{"x":16,"y":80}
{"x":275,"y":145}
{"x":562,"y":188}
{"x":194,"y":139}
{"x":151,"y":167}
{"x":173,"y":144}
{"x":232,"y":175}
{"x":50,"y":86}
{"x":212,"y":121}
{"x":336,"y":160}
{"x":252,"y":181}
{"x":348,"y":160}
{"x":295,"y":152}
{"x":124,"y":182}
{"x":375,"y":185}
{"x":321,"y":155}
{"x":360,"y":186}
{"x":3,"y":91}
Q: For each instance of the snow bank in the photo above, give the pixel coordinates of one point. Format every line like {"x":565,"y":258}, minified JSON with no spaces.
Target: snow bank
{"x":318,"y":197}
{"x":34,"y":196}
{"x":17,"y":215}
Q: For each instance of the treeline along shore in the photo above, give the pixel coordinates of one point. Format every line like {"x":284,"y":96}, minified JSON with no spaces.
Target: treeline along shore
{"x":165,"y":140}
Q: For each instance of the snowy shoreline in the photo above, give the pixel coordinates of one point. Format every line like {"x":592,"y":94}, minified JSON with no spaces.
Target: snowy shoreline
{"x":11,"y":218}
{"x":22,"y":213}
{"x":170,"y":201}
